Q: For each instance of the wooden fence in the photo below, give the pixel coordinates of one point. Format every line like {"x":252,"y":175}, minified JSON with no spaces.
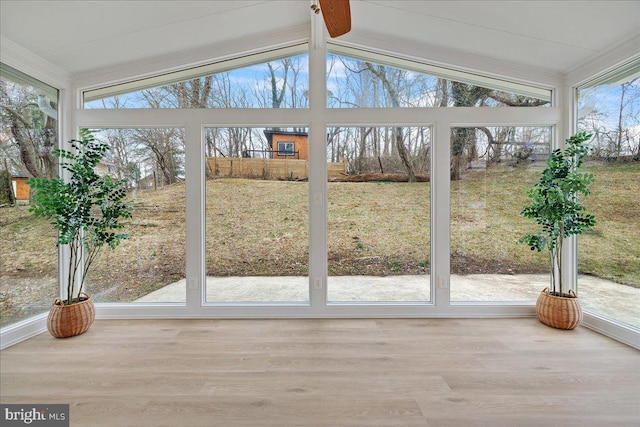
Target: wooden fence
{"x":291,"y":169}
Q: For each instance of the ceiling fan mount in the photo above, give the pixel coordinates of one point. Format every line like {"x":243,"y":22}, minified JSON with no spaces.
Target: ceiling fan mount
{"x":336,"y":15}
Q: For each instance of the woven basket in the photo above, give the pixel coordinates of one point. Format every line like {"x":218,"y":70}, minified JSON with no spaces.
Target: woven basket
{"x":559,"y":312}
{"x":71,"y":320}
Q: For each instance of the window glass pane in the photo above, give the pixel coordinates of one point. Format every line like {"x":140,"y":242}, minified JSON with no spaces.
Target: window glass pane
{"x":378,"y":222}
{"x":492,"y":168}
{"x":149,"y":266}
{"x":281,"y":83}
{"x":29,"y":256}
{"x":285,"y":149}
{"x":359,"y":82}
{"x":609,"y":253}
{"x":257,"y":243}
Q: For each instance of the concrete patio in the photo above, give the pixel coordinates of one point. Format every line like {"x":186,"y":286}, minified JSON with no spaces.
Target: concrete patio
{"x":604,"y":297}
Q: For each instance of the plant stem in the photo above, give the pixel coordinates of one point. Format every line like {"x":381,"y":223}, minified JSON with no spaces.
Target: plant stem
{"x":69,"y":272}
{"x":552,"y":276}
{"x":559,"y":258}
{"x":88,"y":261}
{"x":74,"y":264}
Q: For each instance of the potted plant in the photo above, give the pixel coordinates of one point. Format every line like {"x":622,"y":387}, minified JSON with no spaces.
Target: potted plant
{"x":86,"y":209}
{"x":556,"y":209}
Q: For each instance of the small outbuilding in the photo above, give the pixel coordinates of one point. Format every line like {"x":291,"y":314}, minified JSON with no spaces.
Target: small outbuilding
{"x":288,"y":145}
{"x":20,"y":187}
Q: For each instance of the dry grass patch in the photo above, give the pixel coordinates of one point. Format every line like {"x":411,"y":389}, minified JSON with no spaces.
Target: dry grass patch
{"x":611,"y":250}
{"x":378,"y":228}
{"x":256,"y":227}
{"x":486,"y":222}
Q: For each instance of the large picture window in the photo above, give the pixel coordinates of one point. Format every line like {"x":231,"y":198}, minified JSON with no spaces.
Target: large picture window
{"x":491,"y":170}
{"x":379,"y":214}
{"x":149,"y":266}
{"x":256,"y":207}
{"x":264,"y":194}
{"x":28,"y":135}
{"x":609,"y":255}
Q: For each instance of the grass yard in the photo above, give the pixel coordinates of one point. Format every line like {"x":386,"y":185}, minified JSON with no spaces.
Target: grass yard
{"x":486,"y":223}
{"x":611,"y":250}
{"x":256,"y":227}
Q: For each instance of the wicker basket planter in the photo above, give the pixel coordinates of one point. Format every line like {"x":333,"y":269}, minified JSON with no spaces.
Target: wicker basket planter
{"x":559,"y":312}
{"x":71,"y":320}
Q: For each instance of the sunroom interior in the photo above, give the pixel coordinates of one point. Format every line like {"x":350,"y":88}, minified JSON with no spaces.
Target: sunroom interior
{"x":425,"y":125}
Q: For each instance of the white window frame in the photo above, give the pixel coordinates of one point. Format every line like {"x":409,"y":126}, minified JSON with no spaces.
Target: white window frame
{"x":316,"y":118}
{"x":285,"y":152}
{"x":35,"y":67}
{"x":598,"y":70}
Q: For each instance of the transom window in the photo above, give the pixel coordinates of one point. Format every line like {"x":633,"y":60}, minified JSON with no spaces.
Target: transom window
{"x":271,"y":79}
{"x":362,"y":79}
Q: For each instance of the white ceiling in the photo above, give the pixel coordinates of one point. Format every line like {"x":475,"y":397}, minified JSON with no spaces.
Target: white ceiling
{"x":82,"y":36}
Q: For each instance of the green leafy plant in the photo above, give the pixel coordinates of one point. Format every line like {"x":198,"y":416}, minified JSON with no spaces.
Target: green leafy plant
{"x":86,"y":209}
{"x":555,"y":205}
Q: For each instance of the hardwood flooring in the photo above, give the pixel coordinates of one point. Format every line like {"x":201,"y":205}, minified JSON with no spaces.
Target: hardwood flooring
{"x":329,"y":372}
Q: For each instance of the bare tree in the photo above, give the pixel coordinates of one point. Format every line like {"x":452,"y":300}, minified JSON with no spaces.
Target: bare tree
{"x":166,"y":148}
{"x":194,"y":93}
{"x":31,"y":125}
{"x":122,"y":152}
{"x":391,"y":88}
{"x":622,"y":131}
{"x":463,"y":140}
{"x":277,"y":93}
{"x":615,"y":127}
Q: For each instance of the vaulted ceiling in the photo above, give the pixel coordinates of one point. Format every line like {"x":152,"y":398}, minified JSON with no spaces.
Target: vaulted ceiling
{"x":82,"y":36}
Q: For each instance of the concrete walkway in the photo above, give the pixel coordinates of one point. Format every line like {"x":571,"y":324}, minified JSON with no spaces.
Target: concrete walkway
{"x":601,"y":296}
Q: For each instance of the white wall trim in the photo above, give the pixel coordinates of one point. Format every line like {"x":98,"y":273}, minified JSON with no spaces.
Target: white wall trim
{"x":603,"y":63}
{"x":612,"y":329}
{"x":355,"y":310}
{"x":23,"y":330}
{"x":29,"y":63}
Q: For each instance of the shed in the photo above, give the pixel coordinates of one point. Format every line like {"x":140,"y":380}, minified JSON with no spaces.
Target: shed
{"x":288,"y":144}
{"x":20,"y":187}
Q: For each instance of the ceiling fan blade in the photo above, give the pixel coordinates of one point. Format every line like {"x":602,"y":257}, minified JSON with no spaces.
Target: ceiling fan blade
{"x":337,"y":16}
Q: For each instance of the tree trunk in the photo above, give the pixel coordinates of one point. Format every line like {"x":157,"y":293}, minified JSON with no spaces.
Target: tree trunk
{"x":399,"y":136}
{"x":463,"y":139}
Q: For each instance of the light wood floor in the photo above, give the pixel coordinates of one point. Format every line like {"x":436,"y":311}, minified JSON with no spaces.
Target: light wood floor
{"x":366,"y":372}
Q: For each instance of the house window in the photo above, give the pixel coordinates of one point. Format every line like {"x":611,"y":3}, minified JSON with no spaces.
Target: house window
{"x":286,"y":149}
